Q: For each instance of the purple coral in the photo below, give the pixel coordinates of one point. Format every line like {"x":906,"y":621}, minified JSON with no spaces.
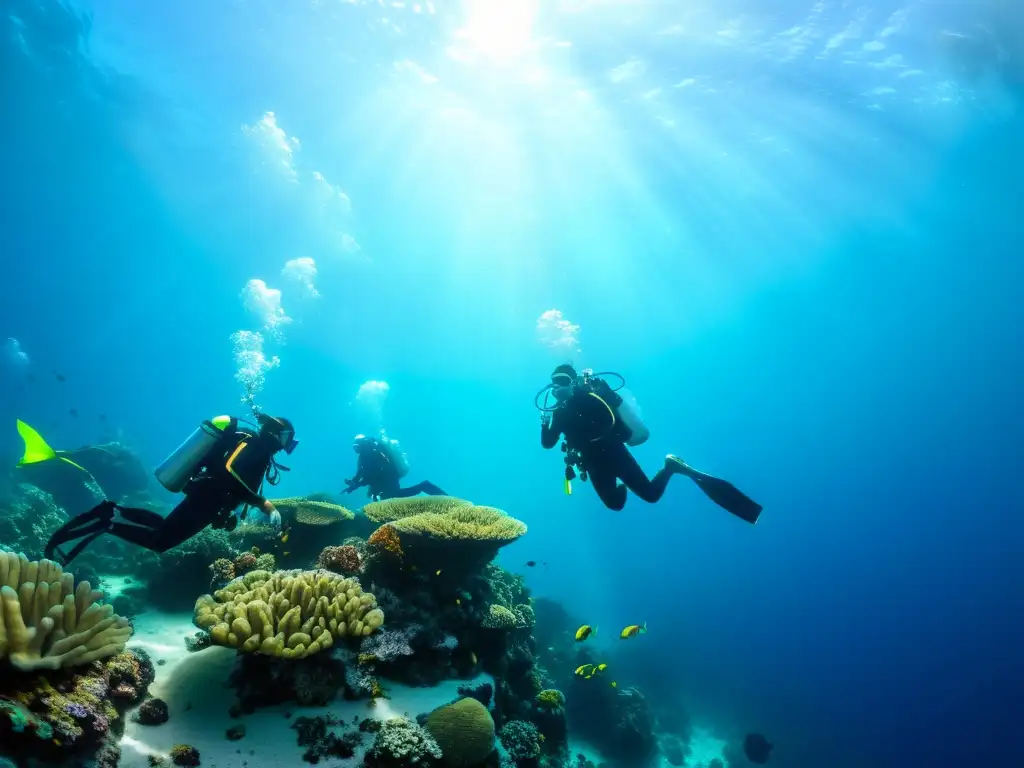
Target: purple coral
{"x":76,"y":710}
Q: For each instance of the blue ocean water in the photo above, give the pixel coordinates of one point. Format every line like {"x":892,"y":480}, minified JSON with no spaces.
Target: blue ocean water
{"x":795,"y":231}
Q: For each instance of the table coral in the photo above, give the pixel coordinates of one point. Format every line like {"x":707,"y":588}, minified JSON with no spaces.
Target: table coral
{"x":390,"y":510}
{"x":48,"y":623}
{"x":290,"y":614}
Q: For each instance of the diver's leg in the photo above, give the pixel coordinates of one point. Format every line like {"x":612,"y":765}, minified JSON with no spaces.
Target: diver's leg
{"x":185,"y":521}
{"x":426,"y":487}
{"x":87,"y":526}
{"x":636,"y":480}
{"x":603,"y":478}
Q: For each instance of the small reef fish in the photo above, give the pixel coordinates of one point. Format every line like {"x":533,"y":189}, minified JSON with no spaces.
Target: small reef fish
{"x":533,"y":564}
{"x":633,"y":630}
{"x":586,"y":671}
{"x":284,"y":537}
{"x":59,"y":376}
{"x":439,"y":571}
{"x":584,"y":632}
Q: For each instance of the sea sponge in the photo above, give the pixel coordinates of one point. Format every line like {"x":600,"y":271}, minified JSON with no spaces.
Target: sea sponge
{"x":46,"y":623}
{"x":310,"y":512}
{"x":290,"y":614}
{"x":464,"y":730}
{"x":395,"y":509}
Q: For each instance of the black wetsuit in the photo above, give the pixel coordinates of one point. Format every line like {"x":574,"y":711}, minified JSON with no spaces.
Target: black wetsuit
{"x":231,"y":475}
{"x":603,"y":454}
{"x":376,"y":470}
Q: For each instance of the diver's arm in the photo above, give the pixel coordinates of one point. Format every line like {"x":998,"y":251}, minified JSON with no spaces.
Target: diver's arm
{"x":550,"y":431}
{"x":247,"y":470}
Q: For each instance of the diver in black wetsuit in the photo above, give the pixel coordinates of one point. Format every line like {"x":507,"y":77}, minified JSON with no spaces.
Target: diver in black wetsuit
{"x":380,"y":467}
{"x":598,"y":427}
{"x":220,"y":466}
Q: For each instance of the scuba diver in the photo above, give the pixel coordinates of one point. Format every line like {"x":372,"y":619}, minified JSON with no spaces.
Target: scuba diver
{"x":380,"y":466}
{"x":598,"y":426}
{"x":221,"y":465}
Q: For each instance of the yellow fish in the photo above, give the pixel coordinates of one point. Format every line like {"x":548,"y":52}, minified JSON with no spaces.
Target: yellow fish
{"x":472,"y":657}
{"x":614,"y":684}
{"x":584,"y":632}
{"x":585,"y":670}
{"x":285,"y":554}
{"x":600,"y":668}
{"x":633,"y":630}
{"x":284,"y":539}
{"x":438,"y":572}
{"x":457,"y":601}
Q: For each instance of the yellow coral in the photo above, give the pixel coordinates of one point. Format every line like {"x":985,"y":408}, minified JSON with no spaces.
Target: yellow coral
{"x":390,"y":510}
{"x":46,"y":623}
{"x":308,"y":512}
{"x":387,"y":539}
{"x":499,"y":617}
{"x":291,"y":614}
{"x":468,"y":523}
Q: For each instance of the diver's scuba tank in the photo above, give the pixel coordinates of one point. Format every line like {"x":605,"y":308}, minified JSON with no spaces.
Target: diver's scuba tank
{"x":178,"y":468}
{"x":394,"y":454}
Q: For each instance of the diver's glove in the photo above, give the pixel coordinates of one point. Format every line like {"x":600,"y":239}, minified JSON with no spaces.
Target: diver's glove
{"x":273,"y":514}
{"x":351,"y":486}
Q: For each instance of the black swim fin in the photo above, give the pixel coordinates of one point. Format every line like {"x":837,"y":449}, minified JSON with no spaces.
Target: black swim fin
{"x":722,"y":492}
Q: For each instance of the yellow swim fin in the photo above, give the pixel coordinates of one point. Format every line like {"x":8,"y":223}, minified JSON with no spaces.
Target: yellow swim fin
{"x":37,"y":450}
{"x":568,"y":487}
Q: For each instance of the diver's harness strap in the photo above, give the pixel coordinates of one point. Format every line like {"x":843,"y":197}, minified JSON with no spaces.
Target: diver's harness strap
{"x":573,"y":462}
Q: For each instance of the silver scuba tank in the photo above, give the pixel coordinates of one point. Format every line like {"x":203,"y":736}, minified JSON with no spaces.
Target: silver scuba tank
{"x":178,"y":468}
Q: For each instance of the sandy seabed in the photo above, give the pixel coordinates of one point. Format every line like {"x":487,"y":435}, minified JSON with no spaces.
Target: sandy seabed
{"x":194,"y":686}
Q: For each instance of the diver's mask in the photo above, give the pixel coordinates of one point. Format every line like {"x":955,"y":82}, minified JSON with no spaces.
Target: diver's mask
{"x":560,"y":392}
{"x":280,"y":430}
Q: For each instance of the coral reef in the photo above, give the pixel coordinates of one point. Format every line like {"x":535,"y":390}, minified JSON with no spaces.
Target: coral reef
{"x":483,"y":692}
{"x":464,"y":731}
{"x":46,"y":623}
{"x":314,"y":733}
{"x":401,"y":743}
{"x":151,"y":712}
{"x":521,"y":741}
{"x":175,"y":577}
{"x":73,"y":714}
{"x":291,"y":614}
{"x":185,"y":755}
{"x":30,"y":516}
{"x":344,"y":559}
{"x":389,"y":510}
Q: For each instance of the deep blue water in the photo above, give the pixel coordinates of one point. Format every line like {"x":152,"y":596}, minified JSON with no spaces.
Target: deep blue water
{"x":801,"y":249}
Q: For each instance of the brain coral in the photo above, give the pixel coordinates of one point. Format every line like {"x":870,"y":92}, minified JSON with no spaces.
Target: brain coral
{"x":395,"y":509}
{"x":464,"y":730}
{"x":290,"y":614}
{"x":46,"y":623}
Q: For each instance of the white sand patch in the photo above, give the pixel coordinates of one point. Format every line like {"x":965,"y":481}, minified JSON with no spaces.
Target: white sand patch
{"x":115,"y":586}
{"x":705,"y":747}
{"x":194,"y":685}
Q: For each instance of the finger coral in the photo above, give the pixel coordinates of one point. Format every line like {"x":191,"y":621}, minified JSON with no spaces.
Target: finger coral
{"x":309,"y":512}
{"x":395,"y":509}
{"x":290,"y":614}
{"x":46,"y":623}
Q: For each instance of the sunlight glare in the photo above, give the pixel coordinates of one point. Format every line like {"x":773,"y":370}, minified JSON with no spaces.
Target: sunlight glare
{"x":499,"y":28}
